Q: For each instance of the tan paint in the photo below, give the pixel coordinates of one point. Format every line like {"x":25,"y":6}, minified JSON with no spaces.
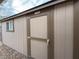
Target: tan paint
{"x":63,"y":31}
{"x":39,"y":49}
{"x":38,"y":29}
{"x":17,"y":39}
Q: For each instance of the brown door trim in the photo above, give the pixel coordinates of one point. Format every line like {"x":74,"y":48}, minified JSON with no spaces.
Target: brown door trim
{"x":76,"y":30}
{"x":50,"y":30}
{"x":28,"y":42}
{"x":51,"y":34}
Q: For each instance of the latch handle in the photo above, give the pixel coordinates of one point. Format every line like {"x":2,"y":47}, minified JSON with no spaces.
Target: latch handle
{"x":48,"y":42}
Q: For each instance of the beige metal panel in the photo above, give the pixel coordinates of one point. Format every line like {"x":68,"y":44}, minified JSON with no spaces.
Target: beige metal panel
{"x":38,"y":30}
{"x":20,"y":31}
{"x":69,"y":31}
{"x":39,"y":49}
{"x":63,"y":27}
{"x":59,"y":28}
{"x":17,"y":39}
{"x":38,"y":27}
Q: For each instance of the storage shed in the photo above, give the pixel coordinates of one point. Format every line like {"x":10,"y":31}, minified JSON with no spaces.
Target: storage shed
{"x":43,"y":32}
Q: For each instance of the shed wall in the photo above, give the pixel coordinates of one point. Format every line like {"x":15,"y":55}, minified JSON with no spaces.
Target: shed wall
{"x":63,"y":31}
{"x":17,"y":39}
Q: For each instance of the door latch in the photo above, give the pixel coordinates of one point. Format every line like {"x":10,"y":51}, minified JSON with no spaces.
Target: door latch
{"x":48,"y":42}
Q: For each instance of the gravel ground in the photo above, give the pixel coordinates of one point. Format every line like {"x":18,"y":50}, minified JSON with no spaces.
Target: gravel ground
{"x":8,"y":53}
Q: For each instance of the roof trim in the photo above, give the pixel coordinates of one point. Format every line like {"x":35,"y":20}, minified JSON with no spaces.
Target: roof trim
{"x":34,"y":9}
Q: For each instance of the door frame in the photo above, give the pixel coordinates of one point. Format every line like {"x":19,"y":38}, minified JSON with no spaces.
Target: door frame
{"x":76,"y":30}
{"x":50,"y":32}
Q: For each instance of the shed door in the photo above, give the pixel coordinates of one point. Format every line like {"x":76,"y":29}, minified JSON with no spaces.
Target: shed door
{"x":38,"y":40}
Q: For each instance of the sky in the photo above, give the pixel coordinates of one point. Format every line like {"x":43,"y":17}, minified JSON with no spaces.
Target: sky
{"x":12,"y":7}
{"x":26,"y":4}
